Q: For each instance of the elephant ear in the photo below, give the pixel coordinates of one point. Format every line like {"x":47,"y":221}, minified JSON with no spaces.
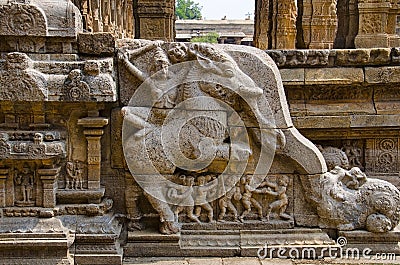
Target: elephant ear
{"x":204,"y":62}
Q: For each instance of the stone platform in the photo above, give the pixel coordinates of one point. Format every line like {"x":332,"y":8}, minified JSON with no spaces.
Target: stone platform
{"x":248,"y":261}
{"x":223,"y":243}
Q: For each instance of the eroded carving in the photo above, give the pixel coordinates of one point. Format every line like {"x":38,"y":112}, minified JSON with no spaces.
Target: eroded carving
{"x":21,"y":19}
{"x":31,"y":145}
{"x":74,"y":177}
{"x":197,"y":134}
{"x":19,"y":82}
{"x":75,"y":89}
{"x":351,"y":201}
{"x":25,"y":180}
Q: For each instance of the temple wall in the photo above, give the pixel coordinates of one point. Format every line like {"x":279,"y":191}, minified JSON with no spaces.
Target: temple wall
{"x":87,"y":129}
{"x":347,"y":99}
{"x":326,"y":24}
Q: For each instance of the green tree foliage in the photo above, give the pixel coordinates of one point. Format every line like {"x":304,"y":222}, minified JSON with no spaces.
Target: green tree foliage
{"x":187,"y":9}
{"x":211,"y":37}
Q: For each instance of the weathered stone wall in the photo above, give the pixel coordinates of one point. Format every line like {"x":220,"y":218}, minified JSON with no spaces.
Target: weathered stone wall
{"x":348,"y":99}
{"x":74,"y":186}
{"x":155,"y":19}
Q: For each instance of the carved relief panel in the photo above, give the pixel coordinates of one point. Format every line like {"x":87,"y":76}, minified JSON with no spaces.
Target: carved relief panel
{"x":383,"y":155}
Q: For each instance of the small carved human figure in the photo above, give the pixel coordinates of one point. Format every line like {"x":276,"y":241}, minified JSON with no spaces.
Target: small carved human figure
{"x":201,"y":198}
{"x":184,"y":199}
{"x":38,"y":138}
{"x":78,"y":176}
{"x":278,"y":190}
{"x":247,"y":199}
{"x":74,"y":178}
{"x":225,"y":203}
{"x":158,"y":72}
{"x":353,"y":152}
{"x":159,"y":68}
{"x":25,"y":180}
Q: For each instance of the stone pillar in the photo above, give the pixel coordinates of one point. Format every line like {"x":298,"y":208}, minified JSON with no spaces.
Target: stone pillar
{"x":372,"y":28}
{"x":93,"y":130}
{"x":319,"y":23}
{"x":3,"y":190}
{"x":96,"y":15}
{"x":353,"y":24}
{"x":261,"y":24}
{"x":155,"y":20}
{"x":306,"y":22}
{"x":49,"y":176}
{"x":275,"y":24}
{"x":394,"y":39}
{"x":284,"y":24}
{"x":343,"y":24}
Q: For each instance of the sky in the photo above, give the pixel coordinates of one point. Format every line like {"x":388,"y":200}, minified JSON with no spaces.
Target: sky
{"x":232,"y":9}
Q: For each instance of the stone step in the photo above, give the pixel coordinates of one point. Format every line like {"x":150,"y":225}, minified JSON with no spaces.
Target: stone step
{"x":225,"y":243}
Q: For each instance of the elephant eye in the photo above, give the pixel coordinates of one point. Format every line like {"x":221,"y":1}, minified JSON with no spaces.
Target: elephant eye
{"x":229,"y":72}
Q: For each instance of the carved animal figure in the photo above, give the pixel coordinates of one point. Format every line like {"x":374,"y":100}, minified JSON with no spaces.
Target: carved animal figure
{"x":200,"y":137}
{"x":359,"y":203}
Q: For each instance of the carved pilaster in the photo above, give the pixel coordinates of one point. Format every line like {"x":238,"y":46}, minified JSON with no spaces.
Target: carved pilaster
{"x":284,"y":29}
{"x":353,"y":24}
{"x":156,"y":19}
{"x":319,"y":23}
{"x":49,"y":185}
{"x":93,"y":130}
{"x":261,"y":23}
{"x":9,"y":115}
{"x":394,"y":39}
{"x":373,"y":28}
{"x":3,"y":190}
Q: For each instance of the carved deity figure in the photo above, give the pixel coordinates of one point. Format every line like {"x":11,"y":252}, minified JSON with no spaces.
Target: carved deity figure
{"x":159,"y":68}
{"x":353,"y":152}
{"x":25,"y":180}
{"x":74,"y":178}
